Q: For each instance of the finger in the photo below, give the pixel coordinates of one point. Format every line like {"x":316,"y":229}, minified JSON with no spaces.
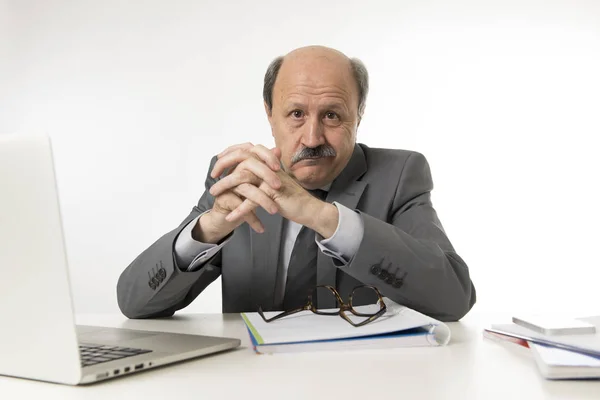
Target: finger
{"x":230,"y":159}
{"x":267,"y":156}
{"x":262,"y":171}
{"x":254,"y":222}
{"x":253,"y":165}
{"x":255,"y":195}
{"x":242,"y":212}
{"x":236,"y":214}
{"x":235,"y":179}
{"x":230,"y":201}
{"x":237,"y":154}
{"x":276,"y":152}
{"x":246,"y":146}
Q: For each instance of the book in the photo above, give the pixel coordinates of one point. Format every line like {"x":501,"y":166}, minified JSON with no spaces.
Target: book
{"x":306,"y":331}
{"x":552,"y":362}
{"x":556,"y":363}
{"x":500,"y":338}
{"x":581,"y":343}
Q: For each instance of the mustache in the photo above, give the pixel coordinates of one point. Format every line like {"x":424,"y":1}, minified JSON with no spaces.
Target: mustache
{"x":305,"y":153}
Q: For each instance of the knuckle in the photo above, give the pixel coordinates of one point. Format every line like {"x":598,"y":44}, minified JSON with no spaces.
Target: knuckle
{"x":249,"y":156}
{"x":247,"y":176}
{"x":267,"y":190}
{"x":233,"y":195}
{"x":240,"y":153}
{"x":220,"y":205}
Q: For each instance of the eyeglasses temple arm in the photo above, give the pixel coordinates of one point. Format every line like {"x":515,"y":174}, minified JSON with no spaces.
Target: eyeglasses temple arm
{"x":283,"y":314}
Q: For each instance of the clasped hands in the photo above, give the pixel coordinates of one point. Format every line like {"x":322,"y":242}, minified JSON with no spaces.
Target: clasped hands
{"x":256,"y":179}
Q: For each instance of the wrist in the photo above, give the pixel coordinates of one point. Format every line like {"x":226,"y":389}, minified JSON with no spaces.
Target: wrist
{"x":323,"y":218}
{"x":210,"y":228}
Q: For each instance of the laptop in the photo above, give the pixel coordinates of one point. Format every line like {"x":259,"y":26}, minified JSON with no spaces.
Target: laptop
{"x":38,"y":338}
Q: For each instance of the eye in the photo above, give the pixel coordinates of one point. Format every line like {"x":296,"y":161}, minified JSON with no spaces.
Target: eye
{"x":331,"y":115}
{"x":297,"y":114}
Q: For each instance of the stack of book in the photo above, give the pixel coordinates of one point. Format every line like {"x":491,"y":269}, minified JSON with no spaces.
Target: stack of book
{"x":557,"y":355}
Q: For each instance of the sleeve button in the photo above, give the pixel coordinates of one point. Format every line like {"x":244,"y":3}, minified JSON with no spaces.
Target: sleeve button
{"x":397,"y":283}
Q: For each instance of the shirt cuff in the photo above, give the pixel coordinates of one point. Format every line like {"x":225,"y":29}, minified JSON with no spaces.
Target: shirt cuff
{"x":192,"y":254}
{"x":346,"y":239}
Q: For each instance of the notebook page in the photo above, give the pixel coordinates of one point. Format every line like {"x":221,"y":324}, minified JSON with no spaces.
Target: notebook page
{"x":307,"y":326}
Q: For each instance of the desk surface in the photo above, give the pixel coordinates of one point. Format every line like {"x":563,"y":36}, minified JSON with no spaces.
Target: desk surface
{"x":470,"y":367}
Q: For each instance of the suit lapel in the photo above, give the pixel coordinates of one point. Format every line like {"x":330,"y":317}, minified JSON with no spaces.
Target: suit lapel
{"x":347,"y":190}
{"x":265,"y":258}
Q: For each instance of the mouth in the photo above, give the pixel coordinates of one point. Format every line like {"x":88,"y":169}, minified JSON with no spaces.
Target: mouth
{"x":312,"y":158}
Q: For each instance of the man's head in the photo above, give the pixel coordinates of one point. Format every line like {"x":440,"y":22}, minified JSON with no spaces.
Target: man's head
{"x":315,"y":98}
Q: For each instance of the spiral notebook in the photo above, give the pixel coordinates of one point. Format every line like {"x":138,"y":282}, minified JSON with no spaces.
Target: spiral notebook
{"x":400,"y":326}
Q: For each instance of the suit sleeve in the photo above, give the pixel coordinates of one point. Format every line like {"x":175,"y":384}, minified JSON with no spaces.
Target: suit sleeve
{"x":153,"y":285}
{"x":409,"y":258}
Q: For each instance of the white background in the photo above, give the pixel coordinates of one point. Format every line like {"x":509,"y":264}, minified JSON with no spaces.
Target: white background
{"x":503,"y":98}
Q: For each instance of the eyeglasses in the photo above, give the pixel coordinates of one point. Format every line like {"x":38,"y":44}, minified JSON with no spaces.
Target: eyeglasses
{"x":342,"y":307}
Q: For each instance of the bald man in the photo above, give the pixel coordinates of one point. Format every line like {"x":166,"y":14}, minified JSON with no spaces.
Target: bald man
{"x":317,"y":209}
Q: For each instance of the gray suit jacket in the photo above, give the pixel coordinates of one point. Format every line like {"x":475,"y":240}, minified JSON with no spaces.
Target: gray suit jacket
{"x":405,"y":252}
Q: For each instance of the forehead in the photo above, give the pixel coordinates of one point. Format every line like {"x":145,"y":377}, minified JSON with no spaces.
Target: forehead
{"x":323,"y":76}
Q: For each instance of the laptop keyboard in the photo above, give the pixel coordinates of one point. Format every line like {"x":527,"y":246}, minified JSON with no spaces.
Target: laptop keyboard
{"x":92,"y":354}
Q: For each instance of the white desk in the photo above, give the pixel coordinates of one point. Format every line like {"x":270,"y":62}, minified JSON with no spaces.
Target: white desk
{"x":470,"y":367}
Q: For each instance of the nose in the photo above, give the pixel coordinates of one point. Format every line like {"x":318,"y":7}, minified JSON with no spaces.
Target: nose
{"x":313,"y":135}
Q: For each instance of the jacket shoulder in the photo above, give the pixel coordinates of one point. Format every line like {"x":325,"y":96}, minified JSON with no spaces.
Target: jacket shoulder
{"x":388,"y":157}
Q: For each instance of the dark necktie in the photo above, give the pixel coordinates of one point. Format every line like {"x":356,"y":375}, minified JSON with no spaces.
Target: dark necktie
{"x":302,"y":269}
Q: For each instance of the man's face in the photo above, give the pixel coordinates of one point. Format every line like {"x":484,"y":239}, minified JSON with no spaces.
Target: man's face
{"x":314,"y":117}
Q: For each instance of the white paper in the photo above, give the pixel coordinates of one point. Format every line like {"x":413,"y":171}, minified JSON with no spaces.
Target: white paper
{"x":553,"y":356}
{"x":307,"y":326}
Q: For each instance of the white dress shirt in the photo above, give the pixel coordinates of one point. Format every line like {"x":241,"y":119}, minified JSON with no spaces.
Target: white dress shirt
{"x":342,"y":245}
